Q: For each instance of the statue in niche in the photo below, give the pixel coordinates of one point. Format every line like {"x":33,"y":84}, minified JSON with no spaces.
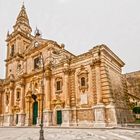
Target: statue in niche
{"x":7,"y":103}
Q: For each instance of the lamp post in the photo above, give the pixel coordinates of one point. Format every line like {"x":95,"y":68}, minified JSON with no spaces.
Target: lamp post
{"x":42,"y":63}
{"x":42,"y":86}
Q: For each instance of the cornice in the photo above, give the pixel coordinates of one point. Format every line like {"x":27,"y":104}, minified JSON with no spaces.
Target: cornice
{"x":81,"y":57}
{"x":25,"y":35}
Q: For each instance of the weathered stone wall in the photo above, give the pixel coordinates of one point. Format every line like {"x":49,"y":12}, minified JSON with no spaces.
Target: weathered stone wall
{"x":1,"y":92}
{"x":120,"y":98}
{"x":1,"y":102}
{"x":85,"y":117}
{"x":133,"y":83}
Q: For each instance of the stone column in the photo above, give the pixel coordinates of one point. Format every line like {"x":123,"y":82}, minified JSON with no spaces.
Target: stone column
{"x":72,"y":87}
{"x":22,"y":98}
{"x":10,"y":116}
{"x":21,"y":115}
{"x":11,"y":100}
{"x":66,"y":88}
{"x":99,"y":108}
{"x":73,"y":98}
{"x":28,"y":110}
{"x":39,"y":97}
{"x":48,"y":89}
{"x":98,"y":83}
{"x":66,"y":112}
{"x":47,"y":112}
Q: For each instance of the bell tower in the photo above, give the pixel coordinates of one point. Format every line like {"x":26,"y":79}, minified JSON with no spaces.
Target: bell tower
{"x":18,"y":41}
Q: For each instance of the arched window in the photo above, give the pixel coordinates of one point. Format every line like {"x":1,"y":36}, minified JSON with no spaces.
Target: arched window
{"x":12,"y":51}
{"x":7,"y":99}
{"x":58,"y":85}
{"x":83,"y":81}
{"x":18,"y":95}
{"x":37,"y":62}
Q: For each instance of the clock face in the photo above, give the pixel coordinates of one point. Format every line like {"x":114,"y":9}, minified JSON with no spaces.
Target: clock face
{"x":36,"y":44}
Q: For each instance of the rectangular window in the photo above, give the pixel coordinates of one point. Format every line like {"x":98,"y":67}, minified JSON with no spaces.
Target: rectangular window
{"x":37,"y":63}
{"x":18,"y":95}
{"x":58,"y":85}
{"x":12,"y":51}
{"x":83,"y":81}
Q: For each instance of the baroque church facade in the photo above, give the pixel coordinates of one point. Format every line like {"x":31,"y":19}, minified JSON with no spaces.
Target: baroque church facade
{"x":84,"y":90}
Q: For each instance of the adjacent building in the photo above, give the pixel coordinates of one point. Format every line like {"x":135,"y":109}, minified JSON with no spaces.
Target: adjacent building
{"x":133,"y":88}
{"x":76,"y":90}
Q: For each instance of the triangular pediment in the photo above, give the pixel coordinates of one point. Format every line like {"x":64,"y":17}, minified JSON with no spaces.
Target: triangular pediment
{"x":35,"y":44}
{"x":50,"y":49}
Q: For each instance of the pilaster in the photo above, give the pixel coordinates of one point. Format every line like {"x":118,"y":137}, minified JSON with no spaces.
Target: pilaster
{"x":22,"y":98}
{"x":28,"y":110}
{"x":66,"y":87}
{"x":11,"y":101}
{"x":99,"y":108}
{"x":9,"y":118}
{"x":72,"y":87}
{"x":48,"y":88}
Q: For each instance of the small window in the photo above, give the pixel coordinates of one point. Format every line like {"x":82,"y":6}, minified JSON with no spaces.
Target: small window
{"x":37,"y":63}
{"x":12,"y":51}
{"x":58,"y":85}
{"x":18,"y":95}
{"x":7,"y":99}
{"x":83,"y":82}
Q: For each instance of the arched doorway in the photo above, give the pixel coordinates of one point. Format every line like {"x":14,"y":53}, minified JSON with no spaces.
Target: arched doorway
{"x":35,"y":110}
{"x":59,"y":117}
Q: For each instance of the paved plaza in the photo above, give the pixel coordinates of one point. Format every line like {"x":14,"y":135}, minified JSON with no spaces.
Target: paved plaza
{"x":69,"y":134}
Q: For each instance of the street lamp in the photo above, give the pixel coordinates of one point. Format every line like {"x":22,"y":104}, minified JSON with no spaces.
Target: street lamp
{"x":42,"y":85}
{"x":52,"y":61}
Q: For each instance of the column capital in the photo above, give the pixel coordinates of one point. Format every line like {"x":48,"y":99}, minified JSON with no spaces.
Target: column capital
{"x":11,"y":85}
{"x":95,"y":62}
{"x":48,"y":73}
{"x":66,"y":71}
{"x":72,"y":71}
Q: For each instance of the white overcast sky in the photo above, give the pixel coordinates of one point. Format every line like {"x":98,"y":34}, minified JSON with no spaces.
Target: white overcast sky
{"x":80,"y":25}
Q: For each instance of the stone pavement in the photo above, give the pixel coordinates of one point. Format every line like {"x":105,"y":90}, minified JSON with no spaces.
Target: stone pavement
{"x":69,"y":134}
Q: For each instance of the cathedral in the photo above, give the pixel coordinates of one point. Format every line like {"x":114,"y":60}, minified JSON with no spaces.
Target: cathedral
{"x":42,"y":77}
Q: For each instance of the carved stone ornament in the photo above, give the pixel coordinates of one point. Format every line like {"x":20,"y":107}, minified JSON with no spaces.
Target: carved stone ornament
{"x":66,"y":71}
{"x":16,"y":108}
{"x":96,"y":62}
{"x":57,"y":101}
{"x":11,"y":86}
{"x":48,"y":72}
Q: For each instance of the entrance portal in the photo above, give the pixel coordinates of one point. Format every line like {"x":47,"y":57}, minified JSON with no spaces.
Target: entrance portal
{"x":35,"y":112}
{"x":59,"y":117}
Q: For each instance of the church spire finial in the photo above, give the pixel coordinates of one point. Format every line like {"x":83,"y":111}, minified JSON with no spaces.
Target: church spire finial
{"x":23,"y":6}
{"x":37,"y":32}
{"x":23,"y":21}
